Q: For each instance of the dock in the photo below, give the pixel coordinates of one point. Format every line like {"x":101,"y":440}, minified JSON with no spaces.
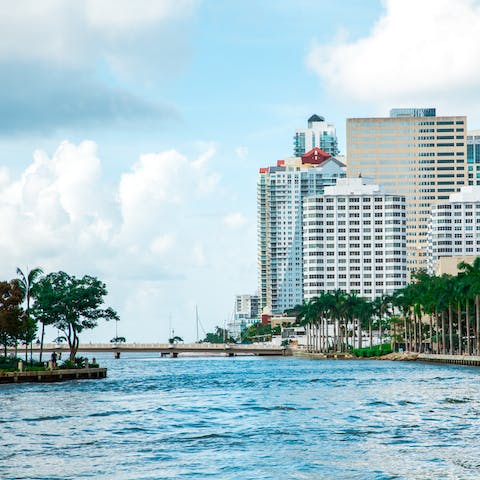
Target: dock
{"x":53,"y":375}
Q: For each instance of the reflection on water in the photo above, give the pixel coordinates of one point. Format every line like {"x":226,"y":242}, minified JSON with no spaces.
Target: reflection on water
{"x":246,"y":418}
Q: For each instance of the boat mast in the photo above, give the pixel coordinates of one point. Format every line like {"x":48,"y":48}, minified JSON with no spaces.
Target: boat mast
{"x":196,"y":317}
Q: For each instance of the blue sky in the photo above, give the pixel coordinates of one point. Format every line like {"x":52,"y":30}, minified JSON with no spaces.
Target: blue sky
{"x":132,"y":132}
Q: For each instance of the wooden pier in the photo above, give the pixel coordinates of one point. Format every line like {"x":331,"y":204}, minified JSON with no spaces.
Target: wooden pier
{"x":53,"y":375}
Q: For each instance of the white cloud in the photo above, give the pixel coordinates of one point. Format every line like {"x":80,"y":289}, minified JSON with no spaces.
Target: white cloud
{"x":149,"y":236}
{"x":235,"y":220}
{"x":69,"y":32}
{"x":416,"y":52}
{"x":206,"y":155}
{"x":80,"y":63}
{"x":120,"y":15}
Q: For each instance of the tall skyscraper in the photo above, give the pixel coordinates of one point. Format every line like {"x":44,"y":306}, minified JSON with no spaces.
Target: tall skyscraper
{"x":281,"y":190}
{"x":354,"y":240}
{"x":473,"y":157}
{"x":412,"y":153}
{"x":318,"y":134}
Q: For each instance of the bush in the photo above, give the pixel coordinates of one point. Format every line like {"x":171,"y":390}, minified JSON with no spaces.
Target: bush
{"x":374,"y":351}
{"x":68,"y":364}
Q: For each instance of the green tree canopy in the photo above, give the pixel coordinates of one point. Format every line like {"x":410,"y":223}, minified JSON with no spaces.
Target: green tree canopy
{"x":71,"y":305}
{"x":11,"y":314}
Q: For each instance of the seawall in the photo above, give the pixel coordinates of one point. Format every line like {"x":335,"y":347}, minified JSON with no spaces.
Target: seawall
{"x":53,"y":375}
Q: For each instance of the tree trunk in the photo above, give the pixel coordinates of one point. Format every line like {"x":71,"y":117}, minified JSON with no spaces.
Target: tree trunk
{"x":420,"y":333}
{"x":431,"y":334}
{"x":450,"y":329}
{"x":477,"y":324}
{"x":437,"y":333}
{"x":467,"y":325}
{"x":41,"y":341}
{"x":415,"y":344}
{"x":443,"y":332}
{"x":405,"y":333}
{"x":460,"y":336}
{"x":360,"y":336}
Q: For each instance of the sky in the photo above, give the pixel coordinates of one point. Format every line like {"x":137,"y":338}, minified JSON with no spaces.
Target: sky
{"x":131,"y":132}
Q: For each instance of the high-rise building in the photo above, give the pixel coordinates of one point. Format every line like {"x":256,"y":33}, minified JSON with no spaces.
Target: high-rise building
{"x":412,"y":153}
{"x":318,"y":134}
{"x":454,"y":231}
{"x":281,"y":191}
{"x":354,"y":240}
{"x":473,"y":157}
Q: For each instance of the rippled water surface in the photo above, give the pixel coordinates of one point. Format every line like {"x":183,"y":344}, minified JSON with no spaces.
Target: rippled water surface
{"x":246,"y":418}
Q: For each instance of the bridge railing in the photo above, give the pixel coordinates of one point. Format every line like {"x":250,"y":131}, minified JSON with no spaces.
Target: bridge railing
{"x":140,"y":346}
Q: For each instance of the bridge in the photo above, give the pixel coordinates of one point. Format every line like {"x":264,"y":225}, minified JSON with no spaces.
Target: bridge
{"x":173,"y":350}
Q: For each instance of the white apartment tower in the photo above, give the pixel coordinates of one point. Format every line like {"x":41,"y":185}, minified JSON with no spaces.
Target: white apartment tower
{"x":454,"y":231}
{"x":281,"y":191}
{"x":354,"y":240}
{"x":246,"y":313}
{"x":318,"y":134}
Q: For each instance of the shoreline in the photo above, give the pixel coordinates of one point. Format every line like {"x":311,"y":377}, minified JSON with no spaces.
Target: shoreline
{"x":467,"y":360}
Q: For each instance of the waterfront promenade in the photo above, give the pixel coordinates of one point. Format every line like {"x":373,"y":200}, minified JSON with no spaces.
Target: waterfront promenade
{"x":173,"y":350}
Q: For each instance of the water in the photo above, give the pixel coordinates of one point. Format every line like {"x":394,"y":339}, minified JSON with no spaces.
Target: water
{"x":246,"y":418}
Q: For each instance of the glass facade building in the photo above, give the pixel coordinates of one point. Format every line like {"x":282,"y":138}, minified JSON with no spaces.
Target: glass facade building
{"x":318,"y":134}
{"x":473,"y":157}
{"x":423,"y":158}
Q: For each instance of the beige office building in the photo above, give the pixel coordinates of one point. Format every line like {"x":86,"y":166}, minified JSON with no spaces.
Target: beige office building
{"x":412,"y":153}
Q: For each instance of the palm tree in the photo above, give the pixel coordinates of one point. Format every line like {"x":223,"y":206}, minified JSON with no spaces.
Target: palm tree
{"x":464,"y":291}
{"x":337,"y":313}
{"x":365,"y":311}
{"x":27,"y":286}
{"x":381,"y":309}
{"x":472,"y":273}
{"x":306,"y":315}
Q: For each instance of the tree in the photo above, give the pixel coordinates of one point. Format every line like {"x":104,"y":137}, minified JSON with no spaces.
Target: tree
{"x":120,"y":340}
{"x":11,"y":314}
{"x":174,"y":340}
{"x":27,"y":285}
{"x":71,"y":305}
{"x":219,"y":336}
{"x":472,"y":277}
{"x":307,"y":315}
